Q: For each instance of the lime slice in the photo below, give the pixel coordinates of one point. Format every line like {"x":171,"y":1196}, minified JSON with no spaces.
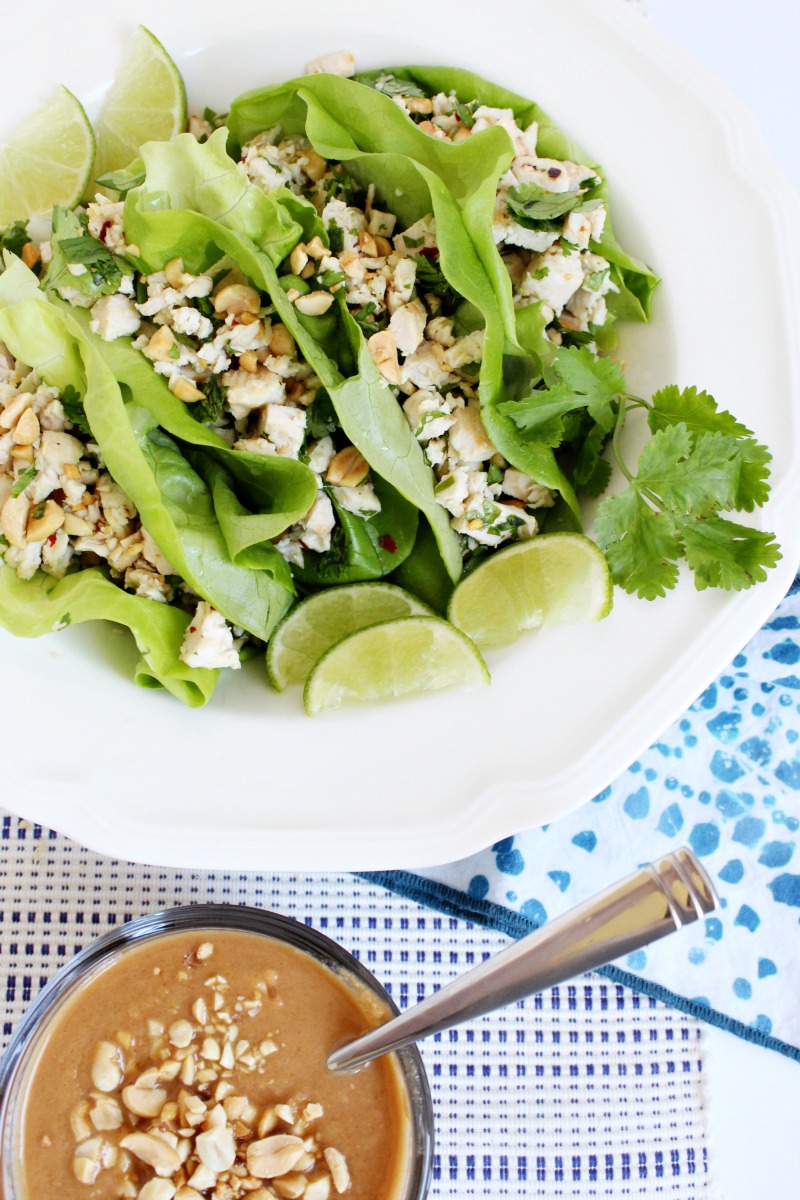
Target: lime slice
{"x":391,"y":659}
{"x":147,"y":103}
{"x":47,"y":160}
{"x":319,"y":622}
{"x":553,"y":579}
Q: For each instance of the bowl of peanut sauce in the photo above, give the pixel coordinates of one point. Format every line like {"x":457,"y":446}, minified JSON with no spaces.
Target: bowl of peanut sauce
{"x":183,"y":1056}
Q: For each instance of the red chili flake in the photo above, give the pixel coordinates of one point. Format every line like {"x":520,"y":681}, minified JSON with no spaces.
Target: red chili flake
{"x":387,"y":542}
{"x":51,"y":541}
{"x":431,"y":252}
{"x":554,"y":172}
{"x":192,"y":629}
{"x":104,"y":228}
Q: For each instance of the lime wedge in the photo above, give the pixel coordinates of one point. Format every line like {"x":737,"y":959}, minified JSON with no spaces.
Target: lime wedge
{"x":47,"y":160}
{"x":147,"y":103}
{"x":391,"y":659}
{"x":319,"y":622}
{"x":553,"y":579}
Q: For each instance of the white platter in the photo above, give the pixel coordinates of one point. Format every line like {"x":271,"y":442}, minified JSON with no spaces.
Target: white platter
{"x":249,"y":782}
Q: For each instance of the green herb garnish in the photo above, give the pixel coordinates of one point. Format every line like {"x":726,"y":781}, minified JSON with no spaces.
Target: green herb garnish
{"x":74,"y":410}
{"x":699,"y":463}
{"x":27,"y":476}
{"x":321,"y":417}
{"x":209,"y":409}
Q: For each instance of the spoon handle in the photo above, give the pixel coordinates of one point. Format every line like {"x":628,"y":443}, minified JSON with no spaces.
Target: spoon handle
{"x":660,"y":898}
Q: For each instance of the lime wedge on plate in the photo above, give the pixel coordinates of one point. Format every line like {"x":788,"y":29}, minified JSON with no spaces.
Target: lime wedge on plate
{"x":47,"y":160}
{"x":147,"y":103}
{"x":553,"y":579}
{"x":391,"y":659}
{"x":319,"y":622}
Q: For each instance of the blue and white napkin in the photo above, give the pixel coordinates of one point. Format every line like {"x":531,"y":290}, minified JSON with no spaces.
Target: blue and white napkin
{"x":725,"y":780}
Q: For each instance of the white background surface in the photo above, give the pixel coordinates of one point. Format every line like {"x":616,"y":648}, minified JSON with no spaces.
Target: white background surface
{"x":754,"y":1094}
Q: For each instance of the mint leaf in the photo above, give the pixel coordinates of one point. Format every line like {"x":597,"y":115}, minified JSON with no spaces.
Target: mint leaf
{"x":393,"y":85}
{"x":74,"y":410}
{"x":536,"y":208}
{"x":641,"y":545}
{"x":727,"y":555}
{"x":124,"y":181}
{"x":27,"y":476}
{"x":335,"y":237}
{"x":72,"y":246}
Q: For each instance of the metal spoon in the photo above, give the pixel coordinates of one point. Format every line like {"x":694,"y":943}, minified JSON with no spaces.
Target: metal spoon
{"x":660,"y":898}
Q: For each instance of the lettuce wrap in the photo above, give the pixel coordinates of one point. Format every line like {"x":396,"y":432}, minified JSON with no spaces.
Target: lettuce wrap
{"x":224,"y":219}
{"x":415,"y":175}
{"x":174,"y":501}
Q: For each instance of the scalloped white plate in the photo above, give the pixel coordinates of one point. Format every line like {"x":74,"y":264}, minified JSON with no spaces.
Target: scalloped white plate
{"x":250,"y":782}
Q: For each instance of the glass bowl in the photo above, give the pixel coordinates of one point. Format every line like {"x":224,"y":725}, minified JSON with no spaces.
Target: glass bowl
{"x":31,"y":1033}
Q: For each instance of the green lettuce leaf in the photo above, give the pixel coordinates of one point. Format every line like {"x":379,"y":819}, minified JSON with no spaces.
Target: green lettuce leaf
{"x":175,"y":505}
{"x":33,"y":607}
{"x":364,"y":548}
{"x":414,"y":175}
{"x":270,"y":492}
{"x":636,"y":280}
{"x":333,"y":345}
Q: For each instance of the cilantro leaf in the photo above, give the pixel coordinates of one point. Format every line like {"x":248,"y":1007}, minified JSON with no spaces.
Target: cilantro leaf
{"x":74,"y":410}
{"x":599,"y":380}
{"x":696,"y":410}
{"x":536,"y":208}
{"x":690,"y":475}
{"x":13,"y":238}
{"x":724,"y":554}
{"x":592,"y":473}
{"x":320,"y":417}
{"x":209,"y":409}
{"x":641,"y":545}
{"x":699,"y":412}
{"x":577,"y":380}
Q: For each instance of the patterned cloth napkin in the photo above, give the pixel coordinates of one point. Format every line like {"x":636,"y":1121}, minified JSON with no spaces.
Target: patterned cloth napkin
{"x":724,"y":779}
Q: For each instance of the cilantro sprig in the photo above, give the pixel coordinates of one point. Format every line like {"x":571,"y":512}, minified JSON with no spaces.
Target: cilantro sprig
{"x":699,"y":463}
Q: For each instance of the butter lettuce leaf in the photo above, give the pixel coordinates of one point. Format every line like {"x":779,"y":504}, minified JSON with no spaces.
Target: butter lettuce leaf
{"x":333,"y":345}
{"x":175,"y":504}
{"x":33,"y":607}
{"x":414,"y":175}
{"x":270,"y":492}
